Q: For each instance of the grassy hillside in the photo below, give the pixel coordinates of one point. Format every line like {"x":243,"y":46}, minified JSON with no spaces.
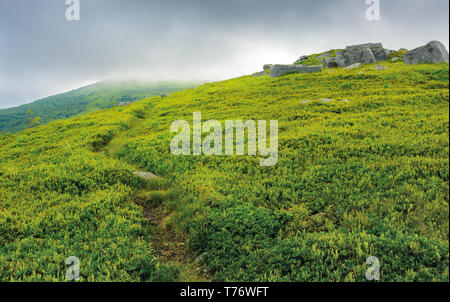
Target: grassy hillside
{"x":83,"y":100}
{"x":369,"y":177}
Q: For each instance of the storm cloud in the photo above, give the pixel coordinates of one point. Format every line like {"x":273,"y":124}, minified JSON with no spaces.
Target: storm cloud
{"x":42,"y":53}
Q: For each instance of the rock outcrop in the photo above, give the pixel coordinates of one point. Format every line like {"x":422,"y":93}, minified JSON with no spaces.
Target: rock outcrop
{"x":330,"y":63}
{"x":363,"y":53}
{"x":355,"y":55}
{"x":280,"y":70}
{"x":433,"y":52}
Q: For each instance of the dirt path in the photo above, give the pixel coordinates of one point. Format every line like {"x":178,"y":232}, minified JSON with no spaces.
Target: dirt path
{"x":168,"y":244}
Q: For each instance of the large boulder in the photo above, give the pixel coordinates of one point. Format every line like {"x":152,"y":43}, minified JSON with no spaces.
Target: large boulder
{"x":280,"y":70}
{"x":330,"y":63}
{"x":381,"y":54}
{"x":362,"y":53}
{"x":433,"y":52}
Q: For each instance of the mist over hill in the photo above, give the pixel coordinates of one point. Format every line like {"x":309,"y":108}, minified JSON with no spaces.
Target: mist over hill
{"x":83,"y":100}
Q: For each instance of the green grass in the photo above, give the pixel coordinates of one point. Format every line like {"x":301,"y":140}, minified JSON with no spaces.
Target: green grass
{"x":354,"y":179}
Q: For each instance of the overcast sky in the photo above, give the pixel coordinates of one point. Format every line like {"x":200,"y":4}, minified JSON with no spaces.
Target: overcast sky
{"x":42,"y":53}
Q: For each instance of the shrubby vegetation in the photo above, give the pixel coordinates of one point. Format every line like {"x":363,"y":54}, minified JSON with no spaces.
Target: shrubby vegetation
{"x":354,"y":179}
{"x":60,"y":197}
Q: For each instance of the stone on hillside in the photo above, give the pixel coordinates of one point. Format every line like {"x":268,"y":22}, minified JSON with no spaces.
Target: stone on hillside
{"x":325,"y":100}
{"x":355,"y":54}
{"x":363,"y":53}
{"x":260,"y":74}
{"x":433,"y":52}
{"x":380,"y":67}
{"x":394,"y":59}
{"x":267,"y":67}
{"x":280,"y":70}
{"x":381,"y":54}
{"x":144,"y":175}
{"x":330,"y":63}
{"x":303,"y":58}
{"x":354,"y":65}
{"x":345,"y":101}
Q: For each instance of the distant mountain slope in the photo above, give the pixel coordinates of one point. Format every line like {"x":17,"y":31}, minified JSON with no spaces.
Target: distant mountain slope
{"x":83,"y":100}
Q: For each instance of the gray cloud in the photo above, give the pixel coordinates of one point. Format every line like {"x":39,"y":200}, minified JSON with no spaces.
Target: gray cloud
{"x":41,"y":53}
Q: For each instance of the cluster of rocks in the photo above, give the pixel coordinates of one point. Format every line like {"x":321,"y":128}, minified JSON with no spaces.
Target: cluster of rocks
{"x":365,"y":54}
{"x":356,"y":55}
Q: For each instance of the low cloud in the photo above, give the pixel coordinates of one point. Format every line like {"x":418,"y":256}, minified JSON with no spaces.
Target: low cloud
{"x":41,"y":53}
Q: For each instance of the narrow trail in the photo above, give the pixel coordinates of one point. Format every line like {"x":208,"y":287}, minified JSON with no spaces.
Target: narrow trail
{"x":168,"y":244}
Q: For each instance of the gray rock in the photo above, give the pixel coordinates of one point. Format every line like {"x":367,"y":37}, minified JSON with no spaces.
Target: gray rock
{"x":355,"y":55}
{"x":330,"y":63}
{"x":381,"y":54}
{"x":145,"y":175}
{"x":340,"y":59}
{"x":305,"y":102}
{"x":325,"y":100}
{"x":369,"y":45}
{"x":354,"y":65}
{"x":301,"y":59}
{"x":260,"y":74}
{"x":280,"y":70}
{"x":267,"y":67}
{"x":359,"y":54}
{"x":433,"y":52}
{"x":380,"y":67}
{"x":363,"y":53}
{"x":345,"y":100}
{"x":394,"y":59}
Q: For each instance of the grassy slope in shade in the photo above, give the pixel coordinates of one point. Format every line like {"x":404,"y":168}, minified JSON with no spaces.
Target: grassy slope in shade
{"x":354,"y":179}
{"x":83,"y":100}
